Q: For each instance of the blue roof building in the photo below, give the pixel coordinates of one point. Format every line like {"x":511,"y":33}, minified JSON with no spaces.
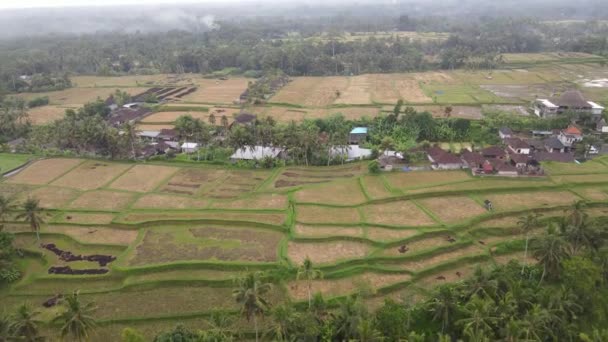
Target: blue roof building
{"x":357,"y":135}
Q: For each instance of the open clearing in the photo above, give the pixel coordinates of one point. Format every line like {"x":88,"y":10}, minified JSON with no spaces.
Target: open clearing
{"x":531,"y":200}
{"x":76,"y":97}
{"x":318,"y":214}
{"x":51,"y":197}
{"x":333,"y":251}
{"x":45,"y":114}
{"x":453,"y":209}
{"x":217,"y":91}
{"x":103,"y":200}
{"x":337,"y":193}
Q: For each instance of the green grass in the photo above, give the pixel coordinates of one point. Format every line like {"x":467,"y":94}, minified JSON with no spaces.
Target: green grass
{"x":10,"y":161}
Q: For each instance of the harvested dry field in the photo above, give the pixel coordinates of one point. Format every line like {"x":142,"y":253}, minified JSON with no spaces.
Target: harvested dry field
{"x":531,"y":200}
{"x":98,"y":235}
{"x":390,"y":88}
{"x":51,"y":197}
{"x":103,"y":200}
{"x":44,"y":171}
{"x":45,"y":114}
{"x":358,"y":91}
{"x":76,"y":97}
{"x":143,"y":178}
{"x":337,"y":193}
{"x":453,"y":209}
{"x":217,"y":91}
{"x":170,"y":117}
{"x":317,"y":214}
{"x":326,"y":252}
{"x":189,"y":181}
{"x":157,"y":201}
{"x":464,"y":112}
{"x":312,"y":91}
{"x":400,"y":213}
{"x":91,"y":175}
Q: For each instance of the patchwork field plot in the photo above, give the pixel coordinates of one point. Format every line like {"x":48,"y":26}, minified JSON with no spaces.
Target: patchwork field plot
{"x":44,"y":171}
{"x":181,"y":232}
{"x":91,"y":175}
{"x":217,"y":91}
{"x":170,"y":117}
{"x":45,"y":114}
{"x":142,"y":178}
{"x":76,"y":97}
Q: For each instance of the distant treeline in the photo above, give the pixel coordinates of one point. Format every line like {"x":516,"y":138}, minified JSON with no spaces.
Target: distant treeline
{"x":264,"y":45}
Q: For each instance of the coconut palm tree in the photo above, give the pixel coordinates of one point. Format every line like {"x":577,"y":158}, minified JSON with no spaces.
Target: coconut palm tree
{"x":584,"y":234}
{"x":5,"y":324}
{"x":130,"y":134}
{"x":308,"y":272}
{"x":575,"y":214}
{"x":24,"y":326}
{"x":348,"y":318}
{"x":33,"y":215}
{"x":250,"y":296}
{"x":284,"y":318}
{"x":444,"y":305}
{"x":76,"y":321}
{"x":551,"y":250}
{"x":367,"y":333}
{"x":481,"y":284}
{"x":6,"y":205}
{"x":526,"y":224}
{"x":536,"y":323}
{"x":480,"y":317}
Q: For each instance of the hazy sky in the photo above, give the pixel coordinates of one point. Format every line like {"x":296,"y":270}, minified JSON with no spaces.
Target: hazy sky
{"x":5,"y":4}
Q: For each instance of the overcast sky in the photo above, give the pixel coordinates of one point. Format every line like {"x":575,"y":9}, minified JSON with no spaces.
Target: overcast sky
{"x":6,"y":4}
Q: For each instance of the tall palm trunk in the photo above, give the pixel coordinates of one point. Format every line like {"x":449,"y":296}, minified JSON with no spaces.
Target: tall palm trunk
{"x":309,"y":293}
{"x":255,"y":324}
{"x":525,"y":254}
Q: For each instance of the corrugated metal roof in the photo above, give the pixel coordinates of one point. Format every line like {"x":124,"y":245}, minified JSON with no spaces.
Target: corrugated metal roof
{"x":359,"y":130}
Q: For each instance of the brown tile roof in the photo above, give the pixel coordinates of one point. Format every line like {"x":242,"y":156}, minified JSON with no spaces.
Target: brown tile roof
{"x":519,"y":158}
{"x":556,"y":157}
{"x":493,"y":151}
{"x":516,"y":143}
{"x":448,"y":158}
{"x":572,"y":99}
{"x":472,"y":158}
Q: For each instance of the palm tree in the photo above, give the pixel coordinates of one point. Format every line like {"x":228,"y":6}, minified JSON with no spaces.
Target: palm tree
{"x":212,"y":119}
{"x":526,"y":224}
{"x":536,"y":323}
{"x":550,"y":251}
{"x":306,"y":271}
{"x":480,"y":318}
{"x":367,"y":333}
{"x":130,"y":133}
{"x":6,"y":205}
{"x":5,"y":324}
{"x":481,"y":284}
{"x":575,"y":214}
{"x":443,"y":305}
{"x":33,"y":215}
{"x":348,"y":318}
{"x":284,"y":317}
{"x":77,"y":321}
{"x":24,"y":326}
{"x":250,"y":296}
{"x":583,"y":234}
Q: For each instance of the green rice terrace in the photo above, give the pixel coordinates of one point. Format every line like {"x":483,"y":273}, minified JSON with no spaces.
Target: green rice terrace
{"x":180,"y":234}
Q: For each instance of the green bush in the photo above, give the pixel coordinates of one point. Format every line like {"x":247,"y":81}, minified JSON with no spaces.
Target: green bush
{"x":373,"y":167}
{"x":38,"y":102}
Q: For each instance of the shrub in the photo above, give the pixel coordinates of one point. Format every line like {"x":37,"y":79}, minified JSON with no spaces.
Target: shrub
{"x":38,"y":102}
{"x":373,"y":167}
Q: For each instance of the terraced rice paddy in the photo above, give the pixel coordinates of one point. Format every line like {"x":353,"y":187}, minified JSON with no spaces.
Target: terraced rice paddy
{"x":181,"y":232}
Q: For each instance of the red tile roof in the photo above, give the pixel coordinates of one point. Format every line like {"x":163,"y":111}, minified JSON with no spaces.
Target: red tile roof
{"x":573,"y":130}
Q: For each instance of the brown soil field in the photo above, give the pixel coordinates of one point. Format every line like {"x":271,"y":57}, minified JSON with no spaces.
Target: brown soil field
{"x":357,"y":91}
{"x":92,"y":235}
{"x":262,"y":201}
{"x":504,"y":222}
{"x":442,"y":258}
{"x":121,"y":81}
{"x":374,"y":186}
{"x":206,"y":243}
{"x":401,"y":213}
{"x":323,"y":231}
{"x":45,"y":114}
{"x":51,"y":197}
{"x":286,"y":114}
{"x":103,"y":200}
{"x":153,"y":127}
{"x":190,"y":180}
{"x":155,"y":201}
{"x":85,"y":218}
{"x":453,"y":209}
{"x":311,"y":91}
{"x":484,"y":184}
{"x":384,"y":234}
{"x":91,"y":175}
{"x":143,"y":178}
{"x":464,"y":112}
{"x":217,"y":91}
{"x":418,"y":246}
{"x":275,"y":219}
{"x":280,"y":114}
{"x":408,"y":180}
{"x":531,"y":200}
{"x":593,"y":194}
{"x":170,"y":117}
{"x":339,"y":193}
{"x":390,"y":88}
{"x":597,"y":212}
{"x":451,"y":276}
{"x":344,"y":286}
{"x":76,"y":97}
{"x":326,"y":252}
{"x":168,"y":275}
{"x":316,"y":214}
{"x":12,"y":190}
{"x":44,"y":171}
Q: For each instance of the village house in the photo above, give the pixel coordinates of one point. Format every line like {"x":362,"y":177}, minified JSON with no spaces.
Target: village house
{"x":505,"y":169}
{"x":517,"y":145}
{"x":357,"y":135}
{"x":554,"y":145}
{"x":350,"y":152}
{"x":505,"y":132}
{"x":520,"y":161}
{"x":494,"y":152}
{"x":168,"y":134}
{"x":601,"y":126}
{"x":257,"y":153}
{"x":570,"y":136}
{"x":569,"y":101}
{"x":472,"y":160}
{"x":442,"y":160}
{"x":566,"y":157}
{"x":189,"y":147}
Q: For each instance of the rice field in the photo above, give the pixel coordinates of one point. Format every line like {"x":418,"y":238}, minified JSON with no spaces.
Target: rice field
{"x":182,"y":231}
